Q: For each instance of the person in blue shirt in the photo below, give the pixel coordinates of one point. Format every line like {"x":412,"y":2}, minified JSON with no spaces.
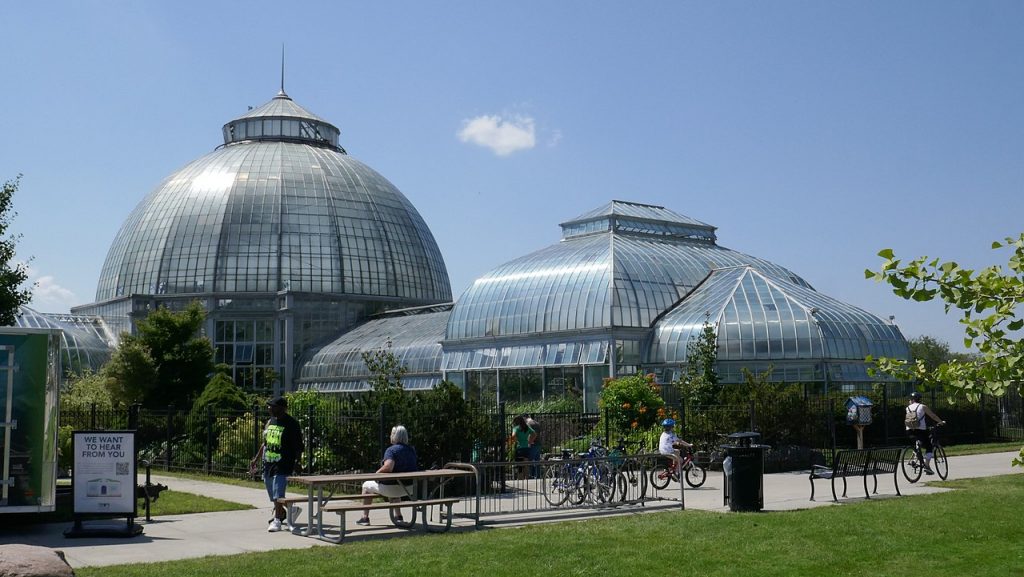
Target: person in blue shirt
{"x":400,"y":457}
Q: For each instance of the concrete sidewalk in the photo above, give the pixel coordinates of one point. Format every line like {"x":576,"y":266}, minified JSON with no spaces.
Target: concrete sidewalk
{"x":226,"y":533}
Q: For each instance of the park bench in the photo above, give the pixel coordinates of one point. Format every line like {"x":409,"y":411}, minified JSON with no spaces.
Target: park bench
{"x":418,"y":506}
{"x":858,"y":463}
{"x":291,"y":504}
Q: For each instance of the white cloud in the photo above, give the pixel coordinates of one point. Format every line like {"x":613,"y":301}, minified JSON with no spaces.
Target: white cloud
{"x":502,"y":135}
{"x":48,"y":296}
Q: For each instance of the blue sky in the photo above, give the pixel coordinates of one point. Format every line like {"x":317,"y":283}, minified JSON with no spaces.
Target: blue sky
{"x":812,"y":134}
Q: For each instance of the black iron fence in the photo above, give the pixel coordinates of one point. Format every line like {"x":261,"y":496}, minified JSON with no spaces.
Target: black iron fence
{"x":344,"y":437}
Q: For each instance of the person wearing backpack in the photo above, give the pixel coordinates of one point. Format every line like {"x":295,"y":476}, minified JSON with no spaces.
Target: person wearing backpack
{"x":917,"y":427}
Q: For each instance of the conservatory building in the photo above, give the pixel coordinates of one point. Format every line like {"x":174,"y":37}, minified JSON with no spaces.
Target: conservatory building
{"x":629,"y":288}
{"x":284,"y":238}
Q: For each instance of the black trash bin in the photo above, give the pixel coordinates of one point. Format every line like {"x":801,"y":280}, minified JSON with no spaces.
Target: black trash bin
{"x":744,"y":472}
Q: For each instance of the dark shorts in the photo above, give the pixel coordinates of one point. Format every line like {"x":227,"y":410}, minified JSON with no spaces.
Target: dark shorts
{"x":921,"y":435}
{"x":523,"y":454}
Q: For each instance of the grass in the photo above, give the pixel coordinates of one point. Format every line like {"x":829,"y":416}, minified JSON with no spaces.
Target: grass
{"x":169,"y":503}
{"x":234,"y":481}
{"x":975,"y":530}
{"x":957,"y":450}
{"x":178,"y":503}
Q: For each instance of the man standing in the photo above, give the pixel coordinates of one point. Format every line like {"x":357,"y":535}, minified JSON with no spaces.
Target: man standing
{"x":282,"y":446}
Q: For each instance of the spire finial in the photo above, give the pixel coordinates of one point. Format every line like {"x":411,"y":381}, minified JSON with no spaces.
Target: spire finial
{"x":282,"y":93}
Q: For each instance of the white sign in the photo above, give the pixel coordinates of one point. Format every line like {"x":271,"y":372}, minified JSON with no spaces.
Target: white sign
{"x":104,"y":472}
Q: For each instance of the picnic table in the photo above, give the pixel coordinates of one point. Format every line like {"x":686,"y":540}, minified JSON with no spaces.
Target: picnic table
{"x":420,"y":497}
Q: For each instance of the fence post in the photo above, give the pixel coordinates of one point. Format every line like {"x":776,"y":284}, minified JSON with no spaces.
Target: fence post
{"x":753,"y":415}
{"x":380,"y":429}
{"x":133,"y":416}
{"x":208,"y":467}
{"x":501,"y":442}
{"x":831,"y":421}
{"x":92,"y":416}
{"x":682,"y":420}
{"x":607,"y":433}
{"x":170,"y":429}
{"x":309,"y":439}
{"x":984,"y":425}
{"x":885,"y":411}
{"x":257,"y":438}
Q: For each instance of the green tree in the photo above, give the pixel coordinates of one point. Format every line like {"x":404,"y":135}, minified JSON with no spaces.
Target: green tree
{"x":13,"y":294}
{"x":221,"y":393}
{"x":386,"y":372}
{"x":130,"y":374}
{"x":699,"y":382}
{"x":933,"y":352}
{"x":85,"y":391}
{"x":167,"y":362}
{"x":987,"y":301}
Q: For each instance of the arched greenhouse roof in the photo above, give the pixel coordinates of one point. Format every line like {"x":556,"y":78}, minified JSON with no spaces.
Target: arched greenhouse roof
{"x":761,"y":318}
{"x":414,"y":335}
{"x":621,"y":265}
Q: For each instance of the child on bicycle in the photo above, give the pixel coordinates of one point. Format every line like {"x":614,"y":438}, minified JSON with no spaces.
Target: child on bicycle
{"x":917,"y":427}
{"x":670,"y":443}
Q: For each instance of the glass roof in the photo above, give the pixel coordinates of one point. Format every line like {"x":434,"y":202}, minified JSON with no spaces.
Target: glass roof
{"x":621,"y":278}
{"x":83,"y":338}
{"x":270,"y":216}
{"x":415,"y":341}
{"x":282,"y":119}
{"x":759,"y":317}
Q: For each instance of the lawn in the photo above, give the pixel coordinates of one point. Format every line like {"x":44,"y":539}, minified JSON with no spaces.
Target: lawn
{"x":169,"y":503}
{"x":975,"y":530}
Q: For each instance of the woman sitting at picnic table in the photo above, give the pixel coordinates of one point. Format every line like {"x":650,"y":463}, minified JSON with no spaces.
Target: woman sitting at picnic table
{"x":400,"y":457}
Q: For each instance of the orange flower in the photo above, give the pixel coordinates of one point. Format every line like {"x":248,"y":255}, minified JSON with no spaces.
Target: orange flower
{"x":634,"y":424}
{"x":643,"y":410}
{"x":661,"y":411}
{"x":626,"y":405}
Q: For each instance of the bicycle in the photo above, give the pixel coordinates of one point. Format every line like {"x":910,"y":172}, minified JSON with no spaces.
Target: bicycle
{"x":694,"y":474}
{"x":630,"y":477}
{"x":579,"y":481}
{"x":912,"y":460}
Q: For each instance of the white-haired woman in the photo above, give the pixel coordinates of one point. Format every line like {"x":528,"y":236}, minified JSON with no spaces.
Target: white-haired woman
{"x":400,"y":457}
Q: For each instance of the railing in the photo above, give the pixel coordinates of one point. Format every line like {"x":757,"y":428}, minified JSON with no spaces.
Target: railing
{"x":801,"y":431}
{"x":574,"y":483}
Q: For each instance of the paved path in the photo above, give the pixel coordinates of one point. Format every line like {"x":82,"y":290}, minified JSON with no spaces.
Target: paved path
{"x":188,"y":536}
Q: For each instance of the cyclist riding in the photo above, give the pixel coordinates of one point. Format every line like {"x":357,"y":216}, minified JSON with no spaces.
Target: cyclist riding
{"x":669,"y":443}
{"x":917,"y":427}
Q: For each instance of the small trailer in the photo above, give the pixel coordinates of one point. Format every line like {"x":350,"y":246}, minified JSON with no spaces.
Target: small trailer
{"x":29,"y":396}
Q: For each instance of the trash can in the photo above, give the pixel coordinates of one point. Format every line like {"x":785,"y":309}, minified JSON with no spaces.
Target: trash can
{"x":744,"y":472}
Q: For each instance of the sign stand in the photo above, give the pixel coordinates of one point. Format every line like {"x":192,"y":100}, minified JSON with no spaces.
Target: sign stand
{"x":103,"y":484}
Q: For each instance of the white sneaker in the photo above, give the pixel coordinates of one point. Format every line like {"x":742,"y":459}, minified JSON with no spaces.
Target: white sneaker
{"x":274,"y":526}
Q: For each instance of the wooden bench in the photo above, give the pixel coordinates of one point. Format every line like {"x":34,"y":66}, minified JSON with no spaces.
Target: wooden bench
{"x":859,"y":463}
{"x":418,"y":506}
{"x":290,"y":504}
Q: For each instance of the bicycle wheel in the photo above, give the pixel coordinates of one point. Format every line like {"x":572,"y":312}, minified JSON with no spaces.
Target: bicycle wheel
{"x":695,"y":475}
{"x":632,"y":482}
{"x":940,"y":464}
{"x":911,"y":464}
{"x":556,"y":485}
{"x":579,"y":487}
{"x":602,"y":480}
{"x":660,"y":476}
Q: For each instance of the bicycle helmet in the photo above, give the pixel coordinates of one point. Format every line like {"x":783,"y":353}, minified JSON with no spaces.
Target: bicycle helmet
{"x":915,"y":396}
{"x":668,"y":423}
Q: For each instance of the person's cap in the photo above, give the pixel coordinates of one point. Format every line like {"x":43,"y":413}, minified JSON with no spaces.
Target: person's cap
{"x":668,"y":423}
{"x":915,"y":395}
{"x":277,"y":402}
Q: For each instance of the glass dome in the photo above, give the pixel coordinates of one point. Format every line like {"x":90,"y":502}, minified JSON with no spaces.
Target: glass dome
{"x":279,"y":207}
